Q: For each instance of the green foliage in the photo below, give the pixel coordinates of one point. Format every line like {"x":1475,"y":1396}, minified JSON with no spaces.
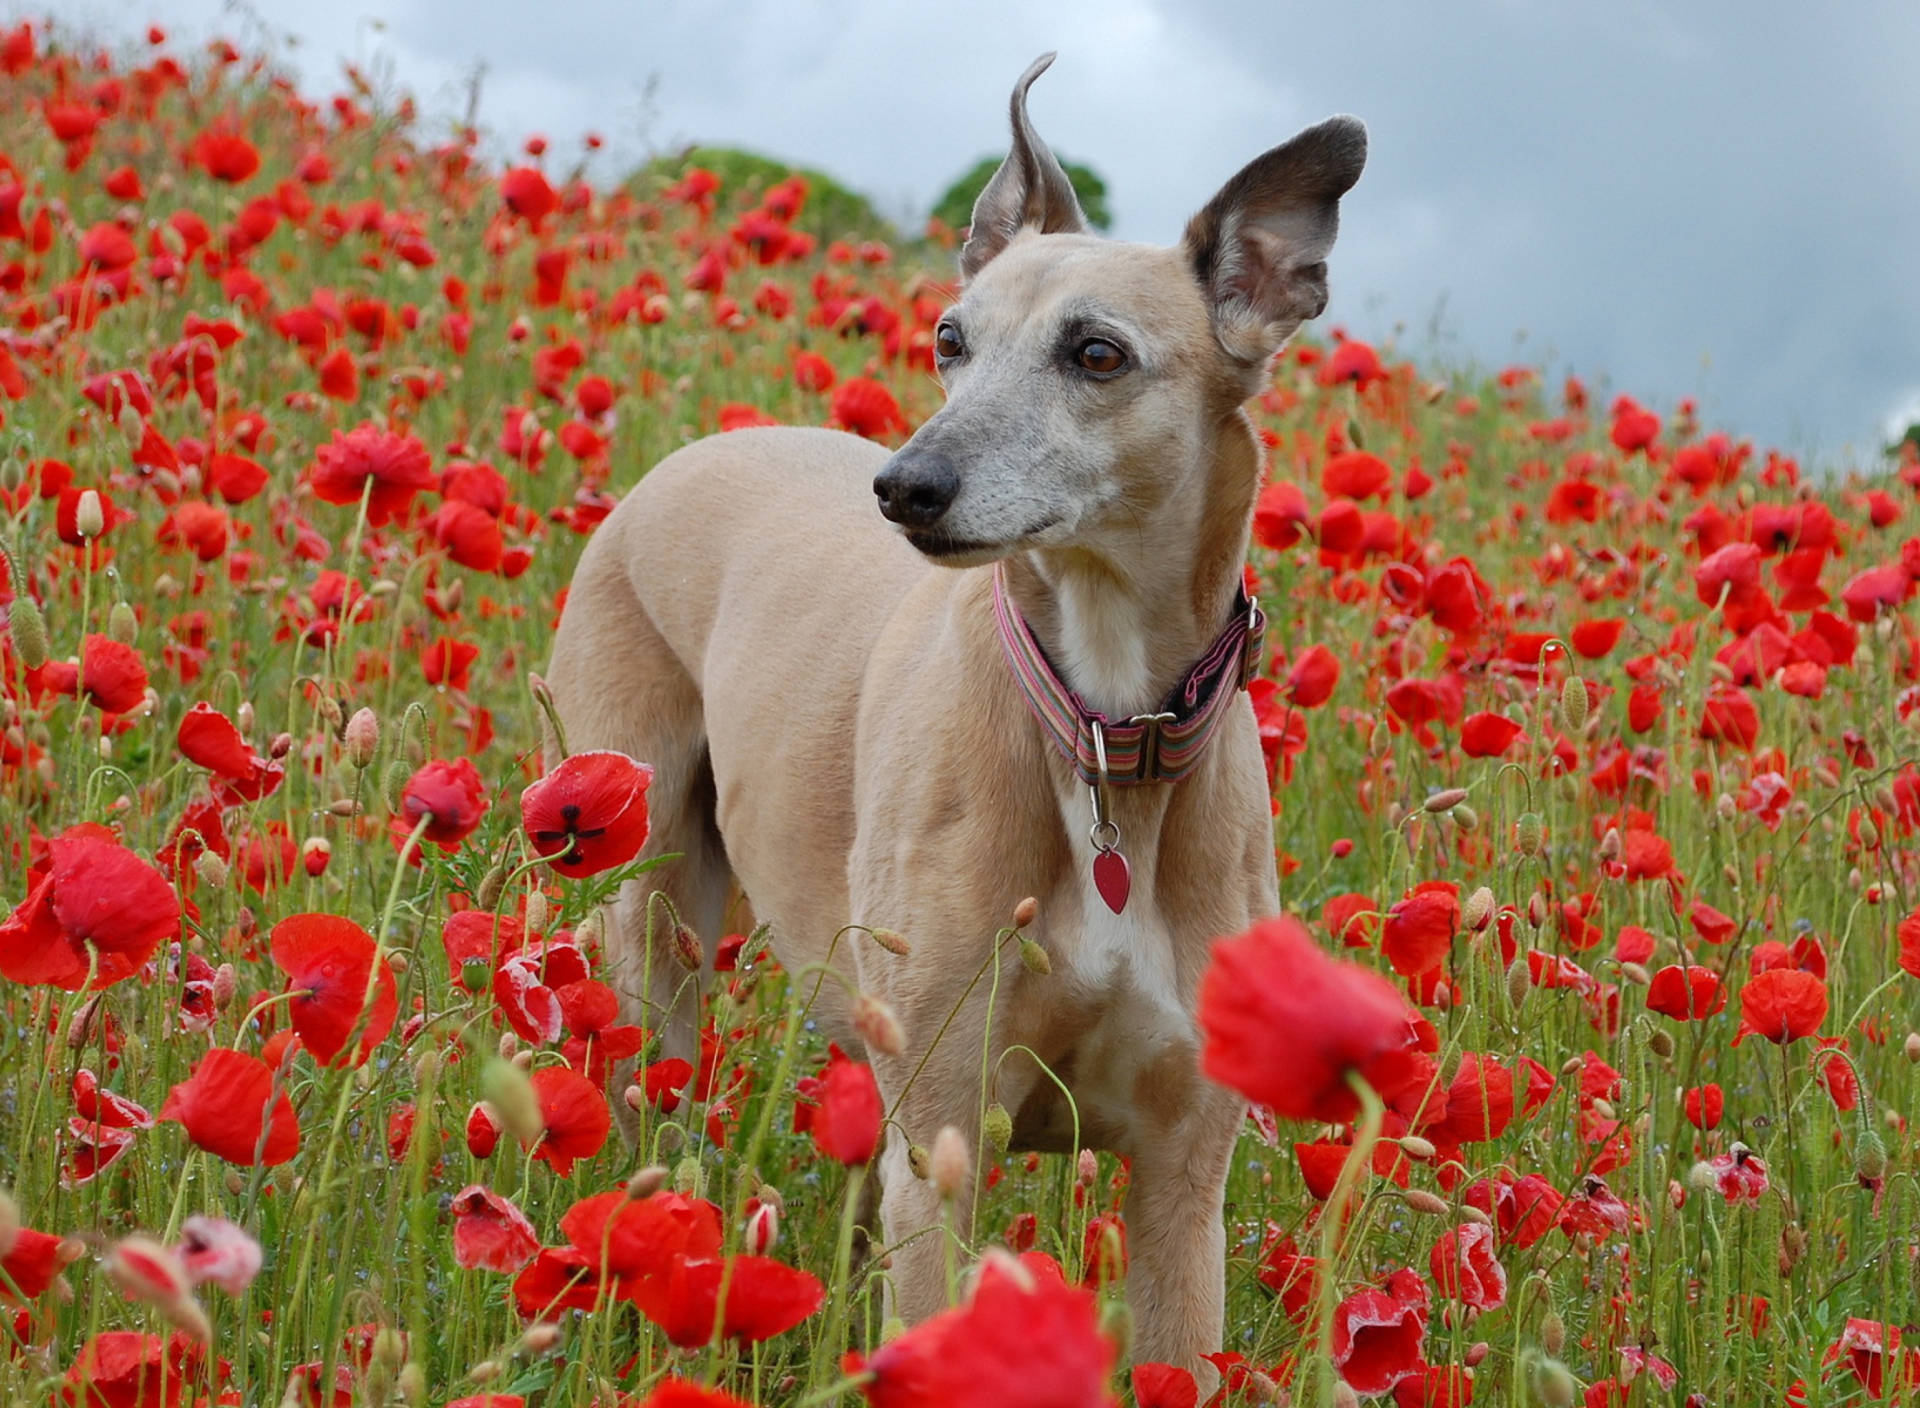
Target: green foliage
{"x":955,"y":208}
{"x":832,"y":211}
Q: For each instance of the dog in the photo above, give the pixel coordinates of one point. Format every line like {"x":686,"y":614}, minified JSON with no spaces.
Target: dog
{"x":908,"y":691}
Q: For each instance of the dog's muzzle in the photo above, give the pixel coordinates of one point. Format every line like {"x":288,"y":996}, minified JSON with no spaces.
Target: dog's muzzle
{"x":916,"y":488}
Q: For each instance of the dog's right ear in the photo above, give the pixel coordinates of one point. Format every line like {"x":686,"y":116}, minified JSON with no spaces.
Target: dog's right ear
{"x":1028,"y":191}
{"x":1259,"y":248}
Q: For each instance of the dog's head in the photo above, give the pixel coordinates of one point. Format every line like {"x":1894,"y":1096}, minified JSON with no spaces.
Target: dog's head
{"x":1085,"y":376}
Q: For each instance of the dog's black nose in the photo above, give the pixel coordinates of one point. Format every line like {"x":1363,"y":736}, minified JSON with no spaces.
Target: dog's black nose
{"x":917,"y":487}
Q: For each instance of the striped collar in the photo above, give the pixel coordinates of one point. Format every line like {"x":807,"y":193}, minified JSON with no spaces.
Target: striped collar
{"x":1158,"y":747}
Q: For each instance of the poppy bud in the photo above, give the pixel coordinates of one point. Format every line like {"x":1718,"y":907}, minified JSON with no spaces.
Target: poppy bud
{"x":1912,"y":1046}
{"x":1676,"y":1194}
{"x":522,"y":1061}
{"x":1344,"y":1396}
{"x":80,"y":1026}
{"x":1660,"y":1044}
{"x":763,"y":1229}
{"x":537,"y":914}
{"x":1536,"y":909}
{"x":508,"y":1046}
{"x":89,"y":519}
{"x":29,"y":630}
{"x":1573,"y":703}
{"x":891,"y":942}
{"x":395,"y":782}
{"x":1424,"y":1202}
{"x":315,"y":852}
{"x":1466,"y":818}
{"x":1034,"y":957}
{"x":996,"y":1126}
{"x":1088,"y":1169}
{"x":1477,"y":912}
{"x":1793,"y":1246}
{"x":1725,"y":808}
{"x":647,"y":1181}
{"x":951,"y":1161}
{"x":919,"y":1162}
{"x":1603,"y":1108}
{"x":1519,"y":982}
{"x":485,"y":1372}
{"x":1553,"y":1333}
{"x":487,"y":896}
{"x":122,"y":624}
{"x":540,"y":1337}
{"x":9,"y":1223}
{"x":1634,"y":973}
{"x":1869,"y":1157}
{"x":1262,"y":1389}
{"x":878,"y":1025}
{"x":1446,"y":800}
{"x":686,"y":948}
{"x":146,"y":1271}
{"x":343,"y":806}
{"x":1527,"y":833}
{"x":1416,"y":1147}
{"x":226,"y":983}
{"x":1552,"y":1383}
{"x":1476,"y":1352}
{"x":688,"y":1177}
{"x":412,"y":1383}
{"x":512,"y":1101}
{"x":1026,"y":912}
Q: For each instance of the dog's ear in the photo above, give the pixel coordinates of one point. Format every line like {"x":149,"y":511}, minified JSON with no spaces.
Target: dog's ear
{"x":1029,"y":191}
{"x":1259,"y":248}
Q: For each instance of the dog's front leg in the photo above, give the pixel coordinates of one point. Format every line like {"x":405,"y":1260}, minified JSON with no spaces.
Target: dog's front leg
{"x":1176,"y":1282}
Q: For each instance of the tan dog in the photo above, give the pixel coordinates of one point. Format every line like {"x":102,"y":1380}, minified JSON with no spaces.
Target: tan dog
{"x":836,"y":728}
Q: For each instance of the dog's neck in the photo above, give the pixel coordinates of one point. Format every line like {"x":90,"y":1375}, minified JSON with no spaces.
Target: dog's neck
{"x":1123,"y":618}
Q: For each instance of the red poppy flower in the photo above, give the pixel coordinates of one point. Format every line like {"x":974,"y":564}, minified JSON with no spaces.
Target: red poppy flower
{"x":124,"y":1367}
{"x":1340,"y":528}
{"x":93,"y":905}
{"x":1487,"y":735}
{"x":1311,"y":681}
{"x":1294,"y":1278}
{"x":1730,"y":718}
{"x":866,"y":407}
{"x":447,"y":662}
{"x":340,"y":381}
{"x":1704,"y":1105}
{"x":846,"y":1126}
{"x":764,"y":1298}
{"x":1419,"y":931}
{"x":678,"y":1393}
{"x":209,"y":739}
{"x":1281,"y":517}
{"x":1479,"y":1103}
{"x":231,"y":1108}
{"x":1909,"y":932}
{"x":589,"y":814}
{"x":1339,"y":1018}
{"x":1685,"y":994}
{"x":225,"y":154}
{"x":330,"y":960}
{"x":1353,"y":361}
{"x":397,"y":466}
{"x":527,"y":193}
{"x":30,"y":1264}
{"x":111,"y":676}
{"x":1379,"y":1336}
{"x":574,"y":1115}
{"x":1782,"y":1005}
{"x":489,"y":1232}
{"x":1465,"y":1268}
{"x":1023,"y":1338}
{"x":1355,"y":475}
{"x":451,"y":794}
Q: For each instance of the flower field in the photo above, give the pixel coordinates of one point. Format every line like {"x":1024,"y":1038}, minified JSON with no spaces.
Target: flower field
{"x":1580,"y":1064}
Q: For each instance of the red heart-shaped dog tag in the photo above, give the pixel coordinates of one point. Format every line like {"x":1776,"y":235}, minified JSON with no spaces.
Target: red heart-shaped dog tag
{"x":1113,"y":879}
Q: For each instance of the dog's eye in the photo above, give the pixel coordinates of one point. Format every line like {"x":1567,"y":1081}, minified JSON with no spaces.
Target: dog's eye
{"x":1100,"y":357}
{"x":946,"y":342}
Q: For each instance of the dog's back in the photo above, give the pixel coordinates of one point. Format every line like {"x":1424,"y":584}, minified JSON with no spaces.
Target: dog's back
{"x":723,"y":614}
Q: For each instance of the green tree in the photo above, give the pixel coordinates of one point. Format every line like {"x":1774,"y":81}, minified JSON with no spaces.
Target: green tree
{"x":832,"y":212}
{"x":955,"y":208}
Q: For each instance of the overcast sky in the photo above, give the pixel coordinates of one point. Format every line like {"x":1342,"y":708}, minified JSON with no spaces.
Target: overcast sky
{"x":1717,"y":198}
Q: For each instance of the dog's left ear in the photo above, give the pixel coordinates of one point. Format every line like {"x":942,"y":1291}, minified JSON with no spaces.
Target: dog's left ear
{"x":1030,"y":190}
{"x":1259,"y":248}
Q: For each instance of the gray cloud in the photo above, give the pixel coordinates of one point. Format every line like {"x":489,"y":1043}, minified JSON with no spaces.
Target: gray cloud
{"x":1718,"y":199}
